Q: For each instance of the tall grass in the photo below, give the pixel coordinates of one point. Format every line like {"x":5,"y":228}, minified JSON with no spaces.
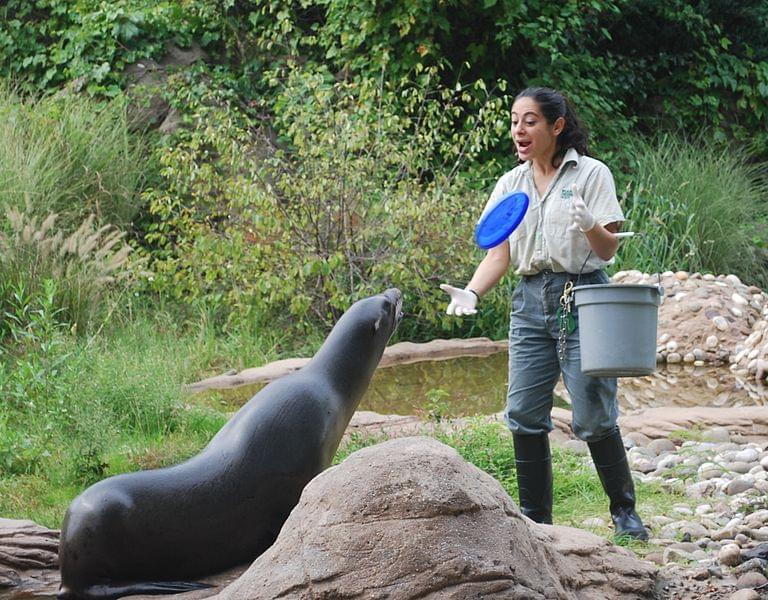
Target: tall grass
{"x":75,"y":269}
{"x":70,"y":155}
{"x":697,"y":207}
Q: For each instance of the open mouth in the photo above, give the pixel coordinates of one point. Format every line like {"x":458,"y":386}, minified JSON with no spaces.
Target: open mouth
{"x":523,"y":146}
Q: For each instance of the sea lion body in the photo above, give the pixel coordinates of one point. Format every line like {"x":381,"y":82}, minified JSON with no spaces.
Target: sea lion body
{"x":156,"y":531}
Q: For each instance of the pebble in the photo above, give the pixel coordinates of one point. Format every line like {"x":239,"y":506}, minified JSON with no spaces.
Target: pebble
{"x":640,"y":439}
{"x":723,"y":532}
{"x":729,"y":555}
{"x":738,"y":299}
{"x":751,"y":580}
{"x":695,"y":531}
{"x":739,"y":485}
{"x":746,"y":594}
{"x":700,"y":574}
{"x":757,"y":518}
{"x":710,"y":470}
{"x":699,"y":489}
{"x":577,"y":447}
{"x":662,"y":445}
{"x":716,"y":434}
{"x":749,"y":455}
{"x":753,"y":564}
{"x":673,"y":554}
{"x":738,"y":466}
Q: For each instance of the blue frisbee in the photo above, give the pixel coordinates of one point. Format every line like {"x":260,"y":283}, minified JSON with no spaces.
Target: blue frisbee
{"x":497,"y":224}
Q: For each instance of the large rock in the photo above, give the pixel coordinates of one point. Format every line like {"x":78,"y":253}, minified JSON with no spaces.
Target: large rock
{"x":748,"y":421}
{"x":146,"y":81}
{"x":28,"y":557}
{"x":410,"y":518}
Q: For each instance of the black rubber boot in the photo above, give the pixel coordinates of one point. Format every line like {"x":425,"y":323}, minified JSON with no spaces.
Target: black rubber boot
{"x":612,"y":467}
{"x":534,"y":476}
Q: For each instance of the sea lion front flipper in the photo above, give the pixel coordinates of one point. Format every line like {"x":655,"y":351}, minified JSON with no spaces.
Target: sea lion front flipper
{"x":149,"y":588}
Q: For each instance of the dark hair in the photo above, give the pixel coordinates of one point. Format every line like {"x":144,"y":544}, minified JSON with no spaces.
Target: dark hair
{"x":554,"y":105}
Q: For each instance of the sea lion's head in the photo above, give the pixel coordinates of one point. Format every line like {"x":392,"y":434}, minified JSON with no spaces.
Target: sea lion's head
{"x":391,"y":311}
{"x":356,"y":343}
{"x":373,"y":320}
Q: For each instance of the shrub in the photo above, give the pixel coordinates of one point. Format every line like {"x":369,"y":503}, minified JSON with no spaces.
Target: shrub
{"x":366,"y":189}
{"x":48,"y":43}
{"x":29,"y":379}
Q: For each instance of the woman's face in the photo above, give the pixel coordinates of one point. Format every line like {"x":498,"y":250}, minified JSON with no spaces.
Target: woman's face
{"x":534,"y":138}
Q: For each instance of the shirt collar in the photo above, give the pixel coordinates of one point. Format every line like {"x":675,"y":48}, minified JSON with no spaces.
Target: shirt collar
{"x":571,"y":155}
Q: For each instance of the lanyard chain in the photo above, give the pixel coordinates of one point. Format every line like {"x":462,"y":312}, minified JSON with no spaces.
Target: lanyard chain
{"x":566,"y":321}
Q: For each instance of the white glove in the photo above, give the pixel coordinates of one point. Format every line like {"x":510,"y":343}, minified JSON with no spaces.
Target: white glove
{"x":583,"y":220}
{"x":463,"y":302}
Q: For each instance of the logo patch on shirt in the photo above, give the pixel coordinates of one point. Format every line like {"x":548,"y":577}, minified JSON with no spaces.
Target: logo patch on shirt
{"x":566,"y":193}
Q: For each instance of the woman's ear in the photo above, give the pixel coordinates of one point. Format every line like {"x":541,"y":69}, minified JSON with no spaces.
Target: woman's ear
{"x":558,"y":126}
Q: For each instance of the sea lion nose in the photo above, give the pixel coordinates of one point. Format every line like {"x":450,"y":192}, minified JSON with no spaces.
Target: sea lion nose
{"x":393,"y":293}
{"x":395,"y":296}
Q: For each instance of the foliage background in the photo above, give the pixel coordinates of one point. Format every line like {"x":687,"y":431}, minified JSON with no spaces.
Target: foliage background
{"x":416,"y":91}
{"x":326,"y":149}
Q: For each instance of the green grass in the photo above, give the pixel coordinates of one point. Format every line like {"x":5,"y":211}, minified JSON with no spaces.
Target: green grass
{"x":90,"y":407}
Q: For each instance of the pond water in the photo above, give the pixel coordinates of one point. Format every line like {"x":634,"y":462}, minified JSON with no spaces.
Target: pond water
{"x":477,"y":385}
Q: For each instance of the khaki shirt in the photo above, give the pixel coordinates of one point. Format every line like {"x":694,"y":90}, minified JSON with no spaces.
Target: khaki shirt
{"x":543,"y":239}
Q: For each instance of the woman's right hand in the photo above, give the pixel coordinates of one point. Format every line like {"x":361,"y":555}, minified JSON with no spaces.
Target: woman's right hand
{"x":463,"y":302}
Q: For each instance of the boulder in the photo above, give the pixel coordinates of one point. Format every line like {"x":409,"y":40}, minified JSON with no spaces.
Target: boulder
{"x":146,"y":80}
{"x":409,"y":518}
{"x":748,"y":421}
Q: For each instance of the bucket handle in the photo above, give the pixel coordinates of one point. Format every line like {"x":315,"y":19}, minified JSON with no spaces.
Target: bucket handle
{"x":620,"y":235}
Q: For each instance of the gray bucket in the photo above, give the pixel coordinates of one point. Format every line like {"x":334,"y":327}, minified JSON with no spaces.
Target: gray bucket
{"x":617,"y":328}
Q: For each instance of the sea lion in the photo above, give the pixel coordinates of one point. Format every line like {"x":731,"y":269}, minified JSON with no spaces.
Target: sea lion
{"x":157,"y":531}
